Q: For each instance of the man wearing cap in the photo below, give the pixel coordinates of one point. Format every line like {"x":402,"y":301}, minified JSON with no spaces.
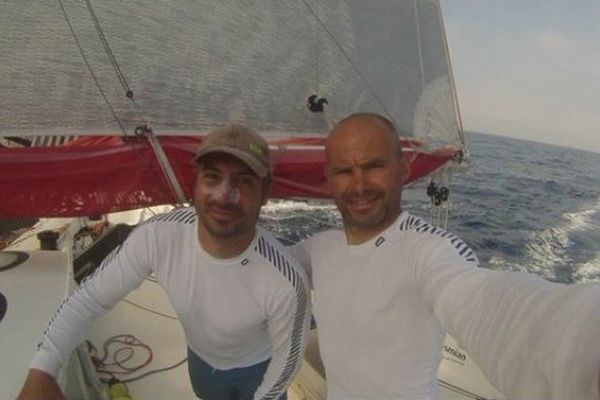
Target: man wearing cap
{"x":242,"y":300}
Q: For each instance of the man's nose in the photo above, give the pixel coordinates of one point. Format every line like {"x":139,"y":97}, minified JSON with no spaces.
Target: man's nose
{"x":230,"y":193}
{"x":358,"y":182}
{"x":225,"y":192}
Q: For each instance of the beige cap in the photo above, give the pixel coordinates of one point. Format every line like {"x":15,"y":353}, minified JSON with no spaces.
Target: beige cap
{"x":241,"y":142}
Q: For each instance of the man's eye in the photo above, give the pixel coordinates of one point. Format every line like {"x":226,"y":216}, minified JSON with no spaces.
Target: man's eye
{"x":344,"y":171}
{"x":374,"y":167}
{"x":246,"y":180}
{"x":210,"y":177}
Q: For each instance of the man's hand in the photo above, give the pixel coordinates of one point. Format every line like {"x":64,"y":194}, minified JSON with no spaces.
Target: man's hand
{"x":40,"y":386}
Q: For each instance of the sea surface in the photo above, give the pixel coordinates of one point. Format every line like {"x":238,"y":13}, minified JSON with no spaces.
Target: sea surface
{"x":522,"y":206}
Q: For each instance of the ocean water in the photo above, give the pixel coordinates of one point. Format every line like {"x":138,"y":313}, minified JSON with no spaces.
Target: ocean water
{"x":523,"y":206}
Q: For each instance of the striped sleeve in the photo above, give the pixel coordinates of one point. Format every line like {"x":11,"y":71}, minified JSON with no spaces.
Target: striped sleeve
{"x":531,"y":338}
{"x":288,"y":325}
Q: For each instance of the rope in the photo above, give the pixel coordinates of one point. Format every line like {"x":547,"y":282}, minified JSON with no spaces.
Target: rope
{"x":317,"y":53}
{"x":347,"y":57}
{"x":150,"y":310}
{"x":457,"y":389}
{"x":419,"y":44}
{"x":109,"y":53}
{"x":115,"y":365}
{"x":89,"y":67}
{"x":461,"y":132}
{"x":155,"y":371}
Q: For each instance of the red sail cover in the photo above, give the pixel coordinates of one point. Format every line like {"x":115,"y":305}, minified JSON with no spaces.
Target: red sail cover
{"x":103,"y":174}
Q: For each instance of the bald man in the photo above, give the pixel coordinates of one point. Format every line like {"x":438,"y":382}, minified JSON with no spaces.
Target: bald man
{"x":390,"y":285}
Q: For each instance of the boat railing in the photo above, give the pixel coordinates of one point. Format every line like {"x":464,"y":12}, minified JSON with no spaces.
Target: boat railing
{"x":86,"y":263}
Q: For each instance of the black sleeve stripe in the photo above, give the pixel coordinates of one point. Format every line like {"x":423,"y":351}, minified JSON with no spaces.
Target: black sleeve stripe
{"x":278,"y":261}
{"x":415,"y":224}
{"x":191,"y":218}
{"x":279,"y":258}
{"x":183,"y":215}
{"x":52,"y":320}
{"x":107,"y":260}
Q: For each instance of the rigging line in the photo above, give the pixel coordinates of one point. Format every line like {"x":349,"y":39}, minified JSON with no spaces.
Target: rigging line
{"x":155,"y":371}
{"x":461,"y":132}
{"x":317,"y":51}
{"x":460,"y":390}
{"x":419,"y":44}
{"x":89,"y":67}
{"x":347,"y":56}
{"x":109,"y":53}
{"x":149,"y":310}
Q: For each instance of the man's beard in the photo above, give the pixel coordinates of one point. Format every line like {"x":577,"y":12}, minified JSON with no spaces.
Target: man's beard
{"x":356,"y":219}
{"x":227,"y":229}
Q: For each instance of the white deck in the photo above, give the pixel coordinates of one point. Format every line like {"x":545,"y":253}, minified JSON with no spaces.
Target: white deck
{"x":164,"y":336}
{"x":34,"y":290}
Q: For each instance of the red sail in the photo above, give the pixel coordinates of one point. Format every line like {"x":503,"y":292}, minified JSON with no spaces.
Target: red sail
{"x":102,"y":174}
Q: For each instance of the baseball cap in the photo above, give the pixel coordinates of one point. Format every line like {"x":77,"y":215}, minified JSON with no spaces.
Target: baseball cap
{"x":241,"y":142}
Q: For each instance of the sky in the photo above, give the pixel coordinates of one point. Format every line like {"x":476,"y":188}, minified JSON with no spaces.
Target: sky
{"x":527,"y":68}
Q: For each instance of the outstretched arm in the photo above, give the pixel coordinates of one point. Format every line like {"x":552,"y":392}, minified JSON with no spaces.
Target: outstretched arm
{"x":532,"y":338}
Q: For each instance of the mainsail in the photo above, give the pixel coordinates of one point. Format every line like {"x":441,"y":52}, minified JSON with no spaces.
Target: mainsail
{"x":288,"y":68}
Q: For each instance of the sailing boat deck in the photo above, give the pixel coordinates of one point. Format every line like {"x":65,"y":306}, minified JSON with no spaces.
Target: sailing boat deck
{"x":156,"y":326}
{"x":33,"y":290}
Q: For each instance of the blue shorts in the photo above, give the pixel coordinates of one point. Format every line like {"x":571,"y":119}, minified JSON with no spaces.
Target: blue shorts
{"x":232,"y":384}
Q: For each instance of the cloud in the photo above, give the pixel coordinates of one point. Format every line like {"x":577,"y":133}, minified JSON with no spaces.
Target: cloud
{"x":536,"y":82}
{"x":553,"y":41}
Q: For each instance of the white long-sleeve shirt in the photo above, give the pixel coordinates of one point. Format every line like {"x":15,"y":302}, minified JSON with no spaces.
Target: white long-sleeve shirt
{"x":235,"y":312}
{"x":382,"y":309}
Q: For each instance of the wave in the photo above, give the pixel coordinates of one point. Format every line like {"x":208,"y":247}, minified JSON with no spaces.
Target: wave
{"x":275,"y":206}
{"x":588,"y":271}
{"x":548,"y":252}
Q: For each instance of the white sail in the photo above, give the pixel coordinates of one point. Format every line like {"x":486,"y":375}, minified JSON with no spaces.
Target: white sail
{"x":192,"y":65}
